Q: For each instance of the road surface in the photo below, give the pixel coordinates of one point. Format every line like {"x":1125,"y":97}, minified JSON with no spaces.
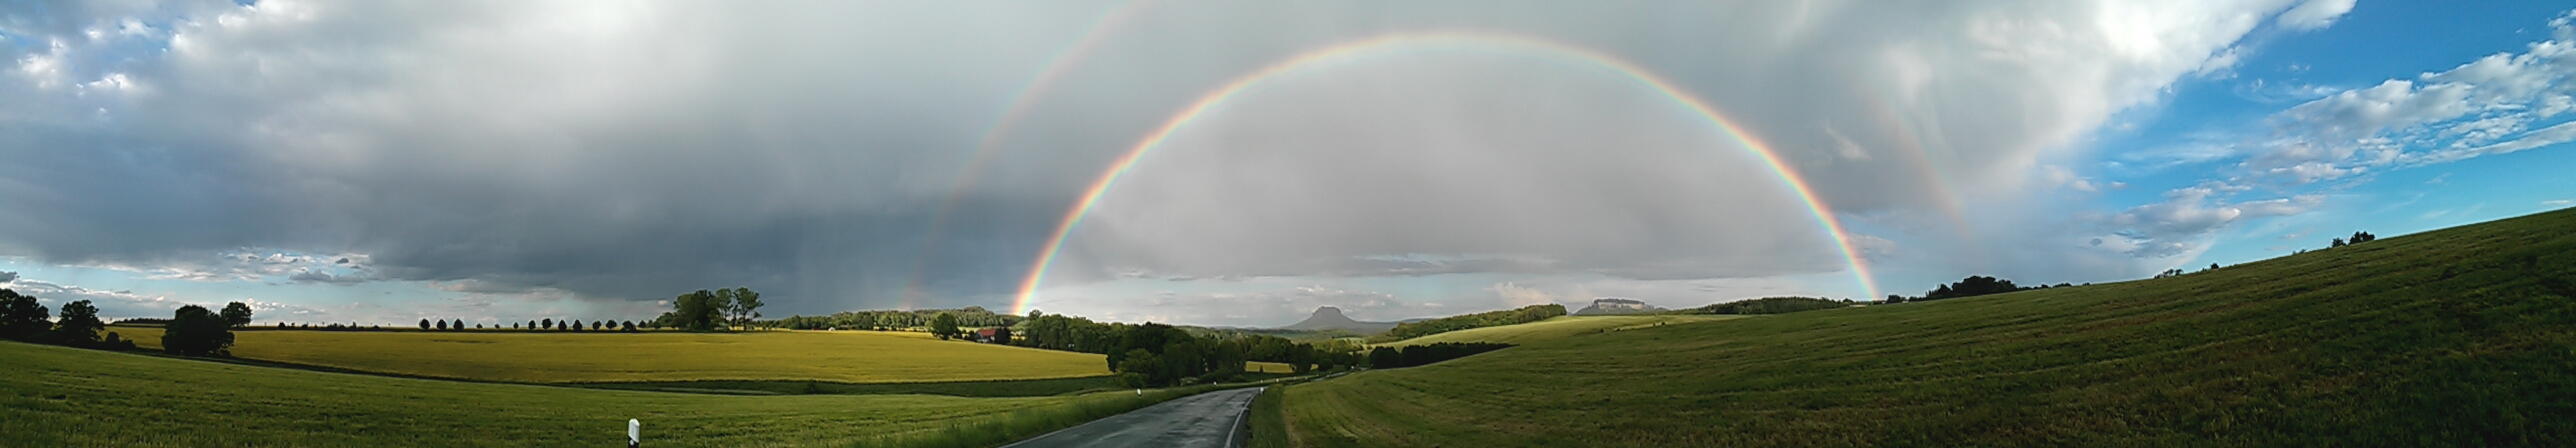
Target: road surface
{"x":1213,"y":419}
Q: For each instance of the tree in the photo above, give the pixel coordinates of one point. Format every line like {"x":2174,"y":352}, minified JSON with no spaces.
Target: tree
{"x":236,"y":314}
{"x":2338,"y":242}
{"x":697,"y":311}
{"x":196,"y":331}
{"x":79,"y":324}
{"x":1002,"y":335}
{"x":549,"y":323}
{"x":720,"y":307}
{"x":442,"y":325}
{"x":746,"y":306}
{"x":944,"y":326}
{"x":424,"y":324}
{"x":21,"y":317}
{"x":628,"y":327}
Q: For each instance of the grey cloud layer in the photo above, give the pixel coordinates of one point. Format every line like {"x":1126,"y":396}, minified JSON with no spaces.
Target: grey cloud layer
{"x":631,"y":151}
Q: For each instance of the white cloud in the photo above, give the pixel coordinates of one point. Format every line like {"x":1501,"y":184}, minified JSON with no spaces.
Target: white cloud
{"x":2485,"y":107}
{"x":2314,"y":14}
{"x":2176,"y":226}
{"x":2558,"y":202}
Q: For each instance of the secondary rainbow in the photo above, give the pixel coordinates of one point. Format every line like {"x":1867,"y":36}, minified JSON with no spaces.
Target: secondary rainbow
{"x":1444,"y":40}
{"x":1063,"y":61}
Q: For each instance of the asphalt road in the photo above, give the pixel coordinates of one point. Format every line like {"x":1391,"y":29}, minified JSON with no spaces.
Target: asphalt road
{"x":1213,"y":419}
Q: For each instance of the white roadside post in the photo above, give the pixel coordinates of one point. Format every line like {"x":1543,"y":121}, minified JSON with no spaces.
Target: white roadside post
{"x":634,"y":433}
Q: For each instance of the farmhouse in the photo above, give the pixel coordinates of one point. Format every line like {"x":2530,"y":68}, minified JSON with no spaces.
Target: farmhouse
{"x":995,"y":335}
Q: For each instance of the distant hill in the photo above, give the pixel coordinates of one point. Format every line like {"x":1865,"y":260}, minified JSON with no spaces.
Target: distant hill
{"x":1330,"y":318}
{"x":1615,"y":305}
{"x":2455,"y":337}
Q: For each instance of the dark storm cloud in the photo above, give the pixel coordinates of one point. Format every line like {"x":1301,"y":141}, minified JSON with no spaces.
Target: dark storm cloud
{"x":635,"y":151}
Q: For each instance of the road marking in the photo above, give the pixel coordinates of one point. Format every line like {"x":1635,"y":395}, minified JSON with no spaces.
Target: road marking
{"x":1238,"y":417}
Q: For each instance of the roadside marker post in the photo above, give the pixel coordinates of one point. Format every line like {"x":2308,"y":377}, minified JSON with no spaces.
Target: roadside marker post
{"x":634,"y":433}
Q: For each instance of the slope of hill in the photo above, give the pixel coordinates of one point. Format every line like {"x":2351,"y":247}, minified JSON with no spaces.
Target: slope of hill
{"x":1559,"y":327}
{"x":839,"y":356}
{"x":2457,"y":337}
{"x":1330,"y":318}
{"x":55,"y":396}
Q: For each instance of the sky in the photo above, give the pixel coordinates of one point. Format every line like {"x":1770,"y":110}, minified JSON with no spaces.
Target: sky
{"x":1232,"y":163}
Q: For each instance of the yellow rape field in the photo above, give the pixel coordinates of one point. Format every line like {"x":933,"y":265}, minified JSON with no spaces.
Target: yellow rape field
{"x":544,"y":357}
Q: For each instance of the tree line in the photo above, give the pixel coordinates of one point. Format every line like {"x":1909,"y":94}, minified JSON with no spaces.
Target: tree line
{"x":1522,"y":315}
{"x":547,"y":324}
{"x":968,"y":317}
{"x":1768,"y":305}
{"x":192,"y":330}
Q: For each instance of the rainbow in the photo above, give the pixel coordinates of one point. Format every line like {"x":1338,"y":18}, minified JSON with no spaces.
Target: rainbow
{"x":1358,"y":49}
{"x":1063,"y":61}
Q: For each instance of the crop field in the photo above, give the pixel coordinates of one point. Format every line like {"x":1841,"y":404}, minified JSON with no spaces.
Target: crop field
{"x":1556,"y":328}
{"x":55,"y":396}
{"x":542,"y":357}
{"x":2457,"y":337}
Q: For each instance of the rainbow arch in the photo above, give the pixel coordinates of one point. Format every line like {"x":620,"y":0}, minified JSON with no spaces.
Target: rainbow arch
{"x":1358,"y":49}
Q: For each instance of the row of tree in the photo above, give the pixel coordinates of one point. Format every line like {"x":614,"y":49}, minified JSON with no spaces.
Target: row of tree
{"x":968,"y":317}
{"x":705,"y":310}
{"x":1527,"y":314}
{"x":548,"y":324}
{"x":1768,"y":305}
{"x":193,"y":330}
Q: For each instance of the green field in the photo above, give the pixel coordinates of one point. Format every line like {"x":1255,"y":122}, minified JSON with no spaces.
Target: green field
{"x":54,"y":396}
{"x":543,"y":357}
{"x":2457,"y":337}
{"x":1556,"y":328}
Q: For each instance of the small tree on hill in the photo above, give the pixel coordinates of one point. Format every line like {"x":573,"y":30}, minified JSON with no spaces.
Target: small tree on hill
{"x":944,"y":326}
{"x":236,"y":314}
{"x":21,"y":317}
{"x":442,"y":325}
{"x":549,"y":324}
{"x":424,"y":324}
{"x":79,"y":324}
{"x":196,"y":331}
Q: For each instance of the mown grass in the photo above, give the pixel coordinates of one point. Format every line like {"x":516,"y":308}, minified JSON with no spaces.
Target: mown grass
{"x":541,"y":357}
{"x":55,"y":396}
{"x":2457,"y":337}
{"x":1269,"y":421}
{"x":1556,"y":328}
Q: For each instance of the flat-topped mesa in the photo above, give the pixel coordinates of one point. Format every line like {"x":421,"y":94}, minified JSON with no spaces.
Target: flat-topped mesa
{"x":1615,"y":305}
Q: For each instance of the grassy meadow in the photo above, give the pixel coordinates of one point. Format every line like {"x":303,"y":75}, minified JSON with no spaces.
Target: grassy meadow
{"x":1556,"y":328}
{"x":55,"y":396}
{"x":565,"y":357}
{"x":2457,"y":337}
